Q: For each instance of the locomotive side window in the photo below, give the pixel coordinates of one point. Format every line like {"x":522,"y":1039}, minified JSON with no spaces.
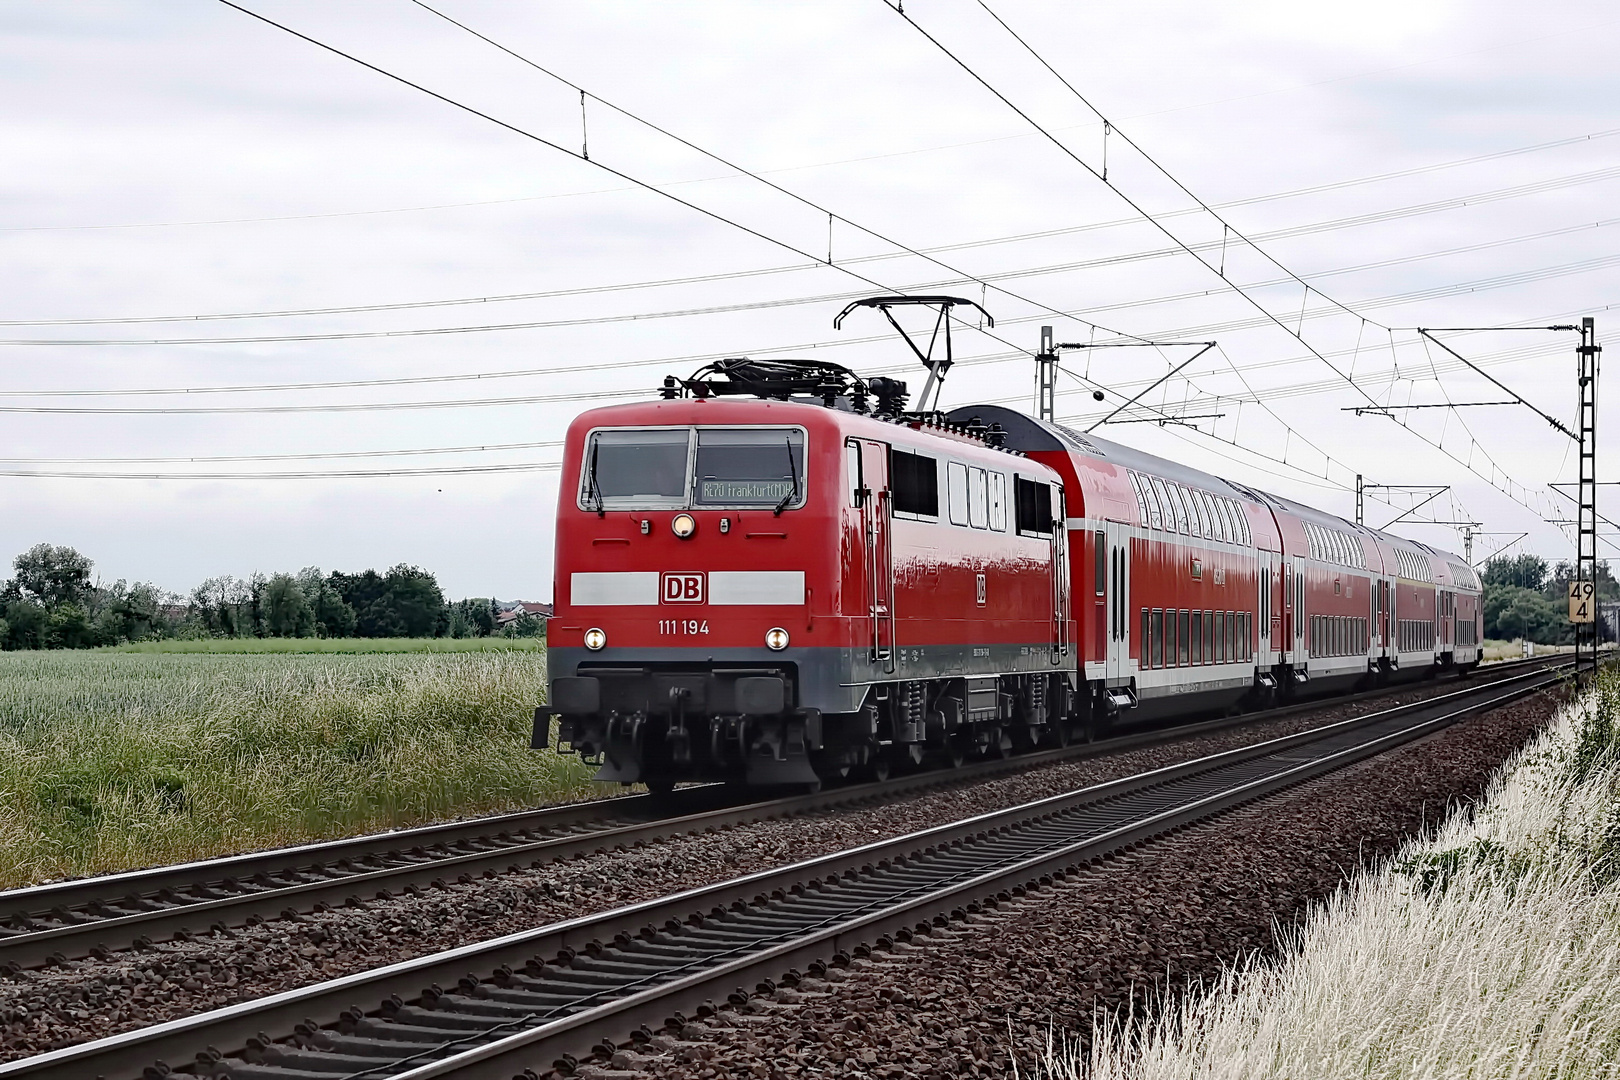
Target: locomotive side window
{"x":749,"y":467}
{"x":978,"y":499}
{"x":1032,"y":506}
{"x":640,"y":468}
{"x":998,"y":502}
{"x":956,"y":492}
{"x":852,"y":466}
{"x":914,"y":483}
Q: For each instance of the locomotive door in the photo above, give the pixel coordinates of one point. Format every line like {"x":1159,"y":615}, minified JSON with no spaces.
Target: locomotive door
{"x":1118,"y":638}
{"x":872,"y":495}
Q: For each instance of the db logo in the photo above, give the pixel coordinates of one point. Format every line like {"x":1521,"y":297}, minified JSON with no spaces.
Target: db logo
{"x":681,"y":589}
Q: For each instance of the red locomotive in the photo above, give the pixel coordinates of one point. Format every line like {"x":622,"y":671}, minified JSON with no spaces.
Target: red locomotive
{"x":776,"y":575}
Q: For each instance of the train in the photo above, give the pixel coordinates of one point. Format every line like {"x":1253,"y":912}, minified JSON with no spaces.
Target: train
{"x":775,"y":575}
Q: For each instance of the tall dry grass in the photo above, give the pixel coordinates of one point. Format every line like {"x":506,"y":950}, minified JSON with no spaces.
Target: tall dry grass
{"x":110,"y":761}
{"x":1490,"y":950}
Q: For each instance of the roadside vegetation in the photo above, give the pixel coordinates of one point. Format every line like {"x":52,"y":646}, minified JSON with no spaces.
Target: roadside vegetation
{"x":1491,"y":949}
{"x":116,"y":759}
{"x":55,"y":602}
{"x":285,"y":646}
{"x":1527,"y":600}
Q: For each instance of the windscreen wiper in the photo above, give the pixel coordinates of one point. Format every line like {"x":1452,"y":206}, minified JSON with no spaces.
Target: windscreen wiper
{"x":596,"y":489}
{"x":793,"y":471}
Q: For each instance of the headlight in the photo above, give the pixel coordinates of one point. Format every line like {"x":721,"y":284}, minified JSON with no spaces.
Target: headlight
{"x":595,"y":638}
{"x":683,"y":526}
{"x":776,"y":638}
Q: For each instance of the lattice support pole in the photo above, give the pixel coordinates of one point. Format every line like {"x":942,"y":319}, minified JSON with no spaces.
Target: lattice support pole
{"x":1588,"y":354}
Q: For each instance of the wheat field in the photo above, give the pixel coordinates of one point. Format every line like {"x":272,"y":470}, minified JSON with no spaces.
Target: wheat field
{"x":1489,"y":950}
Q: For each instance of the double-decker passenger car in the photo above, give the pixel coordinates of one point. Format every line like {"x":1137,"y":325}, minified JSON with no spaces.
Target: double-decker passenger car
{"x":762,"y":578}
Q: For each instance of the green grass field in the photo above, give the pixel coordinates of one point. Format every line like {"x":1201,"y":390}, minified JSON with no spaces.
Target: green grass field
{"x":114,"y":759}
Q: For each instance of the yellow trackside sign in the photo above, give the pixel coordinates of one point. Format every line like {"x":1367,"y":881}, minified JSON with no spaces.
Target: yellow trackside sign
{"x":1582,"y":601}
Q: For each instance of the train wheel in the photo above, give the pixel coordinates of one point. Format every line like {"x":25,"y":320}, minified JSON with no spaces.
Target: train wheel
{"x":876,"y":769}
{"x":1058,"y":734}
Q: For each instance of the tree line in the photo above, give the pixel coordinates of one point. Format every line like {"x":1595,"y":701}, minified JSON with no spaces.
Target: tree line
{"x":53,"y":601}
{"x":1527,"y":599}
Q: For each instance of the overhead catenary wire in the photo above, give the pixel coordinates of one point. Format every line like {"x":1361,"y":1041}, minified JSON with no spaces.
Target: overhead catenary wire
{"x":1266,"y":314}
{"x":713,"y":215}
{"x":1287,"y":232}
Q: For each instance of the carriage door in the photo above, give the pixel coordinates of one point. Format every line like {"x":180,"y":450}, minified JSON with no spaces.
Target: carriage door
{"x":1300,"y":619}
{"x":1262,"y":608}
{"x":1118,"y":538}
{"x":1285,"y":642}
{"x":1381,"y":626}
{"x":872,"y":495}
{"x":1059,"y":567}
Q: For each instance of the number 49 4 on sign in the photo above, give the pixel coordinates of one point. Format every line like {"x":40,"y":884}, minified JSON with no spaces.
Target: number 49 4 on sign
{"x":1582,"y":595}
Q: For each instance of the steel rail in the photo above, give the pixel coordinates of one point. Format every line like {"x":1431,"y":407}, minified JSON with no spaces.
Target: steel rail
{"x":95,"y":916}
{"x":641,"y":964}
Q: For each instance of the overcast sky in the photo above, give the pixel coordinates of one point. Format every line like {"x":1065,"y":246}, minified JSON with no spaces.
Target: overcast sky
{"x":182,"y":159}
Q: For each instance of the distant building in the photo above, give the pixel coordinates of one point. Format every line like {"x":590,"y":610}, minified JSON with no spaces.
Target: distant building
{"x":510,"y":611}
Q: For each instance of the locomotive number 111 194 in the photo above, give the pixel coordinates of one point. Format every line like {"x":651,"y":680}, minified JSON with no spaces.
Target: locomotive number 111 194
{"x":683,"y":626}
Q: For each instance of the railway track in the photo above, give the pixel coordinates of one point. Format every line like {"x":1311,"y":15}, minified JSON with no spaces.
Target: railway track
{"x":97,"y":916}
{"x":515,"y":1005}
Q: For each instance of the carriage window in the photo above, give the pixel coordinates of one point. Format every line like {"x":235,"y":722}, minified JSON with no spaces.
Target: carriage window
{"x":1187,"y":501}
{"x":1217,"y":520}
{"x":1178,"y":508}
{"x":914,"y":482}
{"x":998,"y":502}
{"x":636,"y":468}
{"x":1150,"y":498}
{"x":956,"y":492}
{"x":1206,"y":521}
{"x":1100,"y":545}
{"x":1183,"y":639}
{"x":978,"y":500}
{"x":1209,"y":637}
{"x":1167,"y":516}
{"x":1032,"y":506}
{"x":1158,"y":638}
{"x":1141,"y":499}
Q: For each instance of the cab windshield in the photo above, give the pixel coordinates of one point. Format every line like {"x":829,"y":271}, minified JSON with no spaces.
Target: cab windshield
{"x":688,"y":467}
